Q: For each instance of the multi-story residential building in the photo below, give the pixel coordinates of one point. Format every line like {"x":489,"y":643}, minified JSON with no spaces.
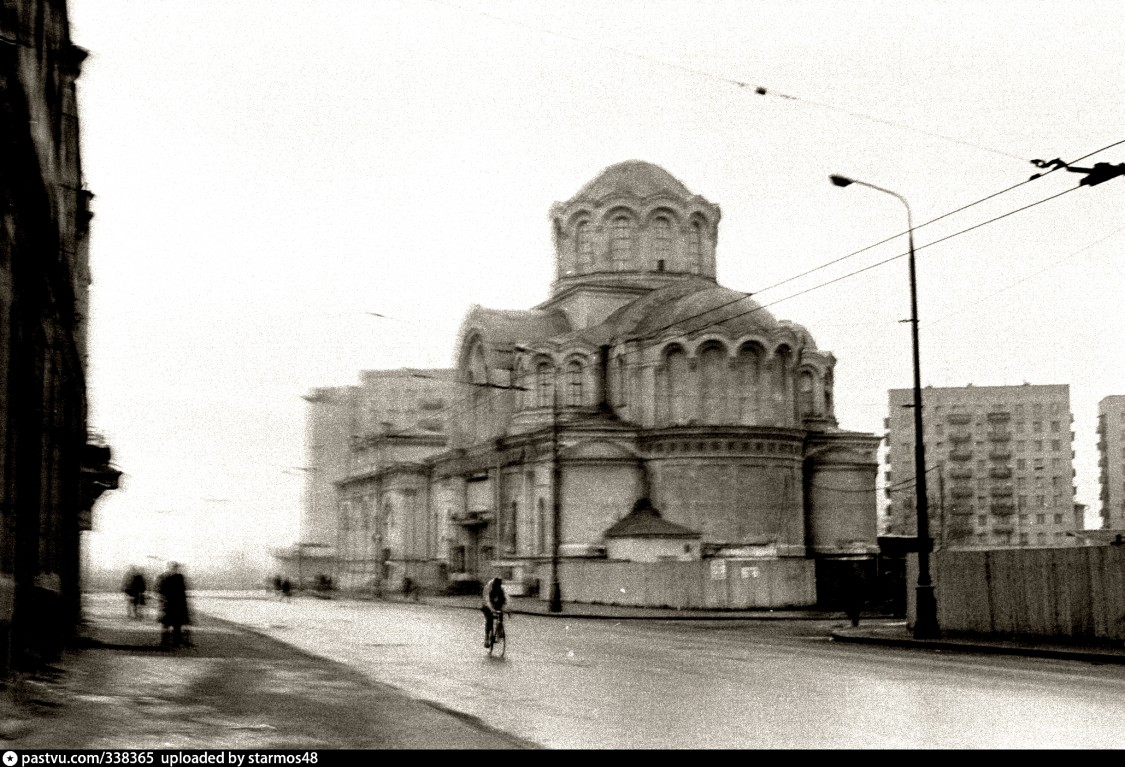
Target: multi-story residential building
{"x":52,"y":469}
{"x":999,"y":465}
{"x":1111,"y":461}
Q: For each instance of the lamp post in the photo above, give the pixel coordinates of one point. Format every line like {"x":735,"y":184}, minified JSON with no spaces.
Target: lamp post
{"x":554,"y":600}
{"x":925,"y":620}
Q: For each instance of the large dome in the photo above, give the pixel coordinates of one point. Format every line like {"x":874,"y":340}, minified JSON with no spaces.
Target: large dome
{"x":692,"y":306}
{"x":633,"y":177}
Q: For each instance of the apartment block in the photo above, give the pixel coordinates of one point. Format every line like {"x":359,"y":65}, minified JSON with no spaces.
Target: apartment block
{"x":1000,"y":465}
{"x":1111,"y":461}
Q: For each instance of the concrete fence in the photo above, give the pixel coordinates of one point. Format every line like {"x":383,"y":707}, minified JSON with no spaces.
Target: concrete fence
{"x":712,"y":584}
{"x":1074,"y":593}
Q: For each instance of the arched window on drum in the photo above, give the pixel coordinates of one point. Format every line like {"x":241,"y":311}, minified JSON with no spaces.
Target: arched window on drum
{"x":621,"y":241}
{"x":662,"y":242}
{"x":584,"y":245}
{"x":695,"y":246}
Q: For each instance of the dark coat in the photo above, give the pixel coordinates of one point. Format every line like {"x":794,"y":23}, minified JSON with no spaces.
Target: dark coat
{"x":173,"y":594}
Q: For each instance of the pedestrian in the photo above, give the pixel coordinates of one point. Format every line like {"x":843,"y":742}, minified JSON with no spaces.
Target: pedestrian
{"x":494,"y":600}
{"x":135,"y":589}
{"x":174,"y":616}
{"x":286,"y":589}
{"x":277,"y":587}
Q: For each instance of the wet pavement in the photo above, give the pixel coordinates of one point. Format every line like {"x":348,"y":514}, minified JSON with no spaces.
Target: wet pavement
{"x":232,"y":689}
{"x":575,"y":681}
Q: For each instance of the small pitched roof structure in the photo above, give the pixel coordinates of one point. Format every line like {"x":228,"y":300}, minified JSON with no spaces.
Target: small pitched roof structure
{"x":644,"y":521}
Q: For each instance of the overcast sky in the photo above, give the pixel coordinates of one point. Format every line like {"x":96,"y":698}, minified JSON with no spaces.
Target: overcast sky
{"x":268,"y":171}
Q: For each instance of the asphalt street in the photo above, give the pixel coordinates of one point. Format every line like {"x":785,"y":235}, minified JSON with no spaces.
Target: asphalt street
{"x":700,"y":684}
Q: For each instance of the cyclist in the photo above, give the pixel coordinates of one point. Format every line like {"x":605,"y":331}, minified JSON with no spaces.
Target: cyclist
{"x":494,"y":600}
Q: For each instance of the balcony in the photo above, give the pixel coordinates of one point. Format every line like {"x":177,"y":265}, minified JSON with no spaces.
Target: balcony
{"x":961,"y":473}
{"x":1002,"y":507}
{"x":999,"y":416}
{"x":960,"y":455}
{"x":960,"y":436}
{"x":1000,"y":454}
{"x":1000,"y":472}
{"x":961,"y":491}
{"x":961,"y":419}
{"x":1002,"y":491}
{"x":1000,"y":436}
{"x":1003,"y":527}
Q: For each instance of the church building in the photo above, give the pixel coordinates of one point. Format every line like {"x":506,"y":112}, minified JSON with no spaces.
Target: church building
{"x":643,"y":386}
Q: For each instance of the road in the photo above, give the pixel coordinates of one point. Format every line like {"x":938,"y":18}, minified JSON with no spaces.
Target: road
{"x":568,"y":683}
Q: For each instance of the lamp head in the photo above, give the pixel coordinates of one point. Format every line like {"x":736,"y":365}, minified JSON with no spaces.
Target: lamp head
{"x":840,"y":180}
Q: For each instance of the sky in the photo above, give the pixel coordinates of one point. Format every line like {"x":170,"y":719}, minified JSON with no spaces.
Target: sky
{"x":268,"y":172}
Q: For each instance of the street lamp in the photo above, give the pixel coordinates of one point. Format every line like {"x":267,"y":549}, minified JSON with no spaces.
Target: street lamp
{"x":554,"y":601}
{"x":925,"y":620}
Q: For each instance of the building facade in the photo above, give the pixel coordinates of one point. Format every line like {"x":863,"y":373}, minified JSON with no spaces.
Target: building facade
{"x":1000,"y":463}
{"x":639,"y":383}
{"x":51,"y":469}
{"x":1111,"y":461}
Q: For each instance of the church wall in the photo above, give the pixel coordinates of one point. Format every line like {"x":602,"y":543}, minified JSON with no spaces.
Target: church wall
{"x":652,"y":549}
{"x":594,"y":497}
{"x":732,"y":501}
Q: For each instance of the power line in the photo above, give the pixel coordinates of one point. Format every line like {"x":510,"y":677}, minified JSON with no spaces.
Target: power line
{"x":881,"y":242}
{"x":759,"y":90}
{"x":868,"y":267}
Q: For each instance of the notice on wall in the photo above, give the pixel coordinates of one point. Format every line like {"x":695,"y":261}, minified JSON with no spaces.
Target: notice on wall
{"x":718,"y":569}
{"x":750,"y":572}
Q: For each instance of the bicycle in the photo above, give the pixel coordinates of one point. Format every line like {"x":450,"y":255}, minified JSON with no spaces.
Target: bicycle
{"x":497,"y":639}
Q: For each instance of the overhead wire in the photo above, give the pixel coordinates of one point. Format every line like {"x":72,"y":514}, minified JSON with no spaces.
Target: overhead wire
{"x":759,"y":90}
{"x":888,"y":239}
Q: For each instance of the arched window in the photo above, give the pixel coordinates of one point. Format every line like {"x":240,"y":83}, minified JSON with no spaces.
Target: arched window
{"x":544,"y":386}
{"x":695,"y":242}
{"x":621,"y":241}
{"x":662,"y":241}
{"x":713,"y":385}
{"x":574,"y":383}
{"x":583,"y":244}
{"x":677,"y":386}
{"x":748,"y":368}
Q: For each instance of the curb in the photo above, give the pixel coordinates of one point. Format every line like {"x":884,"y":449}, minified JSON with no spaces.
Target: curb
{"x":1086,"y":656}
{"x":686,"y":615}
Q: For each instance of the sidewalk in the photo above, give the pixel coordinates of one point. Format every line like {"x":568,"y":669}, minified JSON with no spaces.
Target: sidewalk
{"x":232,"y":689}
{"x":896,"y":634}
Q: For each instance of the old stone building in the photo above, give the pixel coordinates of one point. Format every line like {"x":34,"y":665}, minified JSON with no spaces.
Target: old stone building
{"x":641,"y":377}
{"x":51,"y":470}
{"x":643,"y":411}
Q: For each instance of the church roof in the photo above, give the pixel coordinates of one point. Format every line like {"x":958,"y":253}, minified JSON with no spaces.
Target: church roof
{"x":644,"y":521}
{"x":501,"y":329}
{"x":635,"y":177}
{"x":691,"y":305}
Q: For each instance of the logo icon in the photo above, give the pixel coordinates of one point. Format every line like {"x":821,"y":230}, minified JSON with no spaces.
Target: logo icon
{"x":10,"y":758}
